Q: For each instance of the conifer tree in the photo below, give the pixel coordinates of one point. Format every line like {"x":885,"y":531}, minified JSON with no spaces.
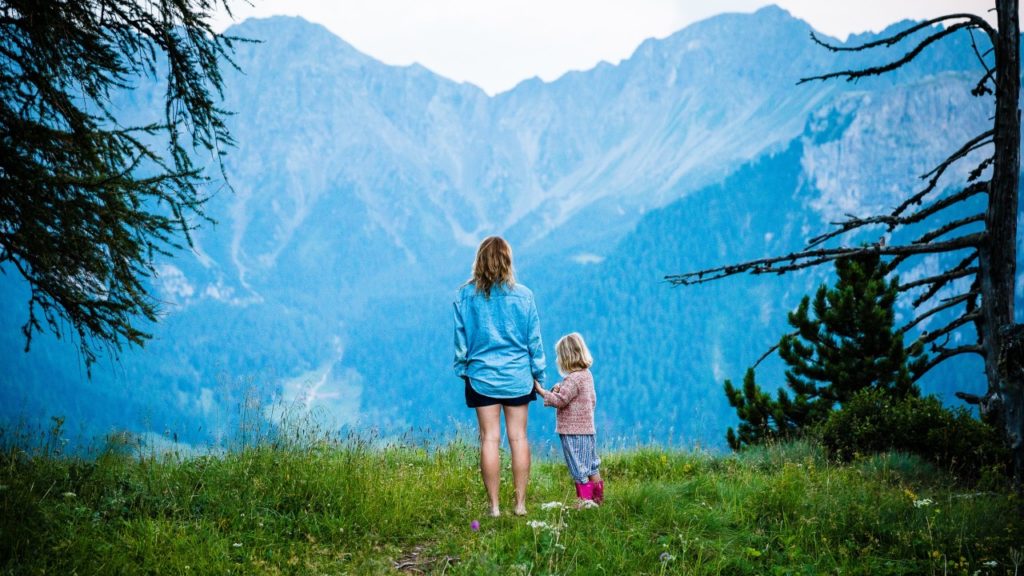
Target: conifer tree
{"x":850,"y":343}
{"x":87,"y":200}
{"x":988,"y":256}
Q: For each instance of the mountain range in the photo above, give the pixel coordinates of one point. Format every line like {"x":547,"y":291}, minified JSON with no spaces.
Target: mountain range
{"x":358,"y":192}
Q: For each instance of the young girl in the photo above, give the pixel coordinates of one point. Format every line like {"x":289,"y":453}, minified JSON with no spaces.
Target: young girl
{"x":575,"y":399}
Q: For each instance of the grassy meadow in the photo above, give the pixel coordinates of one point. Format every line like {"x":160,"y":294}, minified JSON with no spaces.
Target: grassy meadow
{"x":357,"y":507}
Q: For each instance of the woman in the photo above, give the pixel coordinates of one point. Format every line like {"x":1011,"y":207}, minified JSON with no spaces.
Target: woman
{"x":499,"y":356}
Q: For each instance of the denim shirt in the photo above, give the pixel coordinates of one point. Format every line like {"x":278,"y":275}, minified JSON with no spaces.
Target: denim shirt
{"x":497,"y":340}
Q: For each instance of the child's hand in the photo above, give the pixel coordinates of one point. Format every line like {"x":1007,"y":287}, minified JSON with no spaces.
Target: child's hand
{"x":540,"y":389}
{"x":555,"y":388}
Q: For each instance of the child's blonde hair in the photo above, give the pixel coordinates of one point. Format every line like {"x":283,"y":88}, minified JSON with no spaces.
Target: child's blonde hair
{"x":572,"y":354}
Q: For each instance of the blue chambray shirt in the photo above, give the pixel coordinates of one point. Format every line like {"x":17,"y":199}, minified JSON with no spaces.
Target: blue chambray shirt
{"x":497,"y":340}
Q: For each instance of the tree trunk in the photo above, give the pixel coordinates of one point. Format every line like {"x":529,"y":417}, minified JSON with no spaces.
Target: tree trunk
{"x":997,"y":255}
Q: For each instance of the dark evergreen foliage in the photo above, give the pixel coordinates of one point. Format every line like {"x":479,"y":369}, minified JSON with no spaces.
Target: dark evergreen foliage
{"x":849,"y":343}
{"x":873,"y":421}
{"x":85,"y":201}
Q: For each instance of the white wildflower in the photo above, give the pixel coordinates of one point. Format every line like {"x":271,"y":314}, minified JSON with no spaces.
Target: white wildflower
{"x":68,"y":494}
{"x":237,"y":544}
{"x":551,"y":505}
{"x":923,"y":503}
{"x":538,"y":524}
{"x":990,"y":564}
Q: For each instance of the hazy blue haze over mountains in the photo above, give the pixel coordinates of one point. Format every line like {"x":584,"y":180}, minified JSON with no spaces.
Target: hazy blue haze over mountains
{"x":361,"y":190}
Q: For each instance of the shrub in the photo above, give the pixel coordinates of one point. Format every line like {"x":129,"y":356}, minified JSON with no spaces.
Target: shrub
{"x":873,"y":421}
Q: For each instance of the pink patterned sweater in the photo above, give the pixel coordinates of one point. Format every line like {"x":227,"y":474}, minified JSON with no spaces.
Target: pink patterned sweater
{"x":575,"y":401}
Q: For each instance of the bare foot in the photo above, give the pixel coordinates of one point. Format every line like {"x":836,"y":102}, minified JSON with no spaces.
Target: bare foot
{"x":521,"y":510}
{"x":495,"y":512}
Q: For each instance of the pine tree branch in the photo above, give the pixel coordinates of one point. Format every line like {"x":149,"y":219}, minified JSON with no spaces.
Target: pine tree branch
{"x":852,"y":75}
{"x":945,"y":354}
{"x":773,"y":349}
{"x":808,"y":258}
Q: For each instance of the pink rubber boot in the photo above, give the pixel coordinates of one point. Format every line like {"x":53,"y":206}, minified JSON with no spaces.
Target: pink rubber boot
{"x":585,"y":492}
{"x":598,"y":491}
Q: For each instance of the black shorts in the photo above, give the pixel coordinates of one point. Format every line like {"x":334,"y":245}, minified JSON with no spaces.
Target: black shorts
{"x":475,"y":399}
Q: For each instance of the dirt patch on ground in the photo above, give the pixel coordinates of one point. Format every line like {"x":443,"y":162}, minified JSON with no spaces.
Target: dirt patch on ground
{"x":420,"y":561}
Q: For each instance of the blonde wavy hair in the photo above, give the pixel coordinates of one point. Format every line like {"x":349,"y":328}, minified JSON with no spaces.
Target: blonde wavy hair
{"x":493,"y":265}
{"x":572,"y":354}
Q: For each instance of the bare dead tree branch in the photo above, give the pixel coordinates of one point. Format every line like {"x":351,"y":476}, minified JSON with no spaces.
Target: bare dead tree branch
{"x":940,"y":204}
{"x":946,"y":305}
{"x":943,"y":354}
{"x":931,"y":336}
{"x":981,"y":59}
{"x":919,"y":196}
{"x":973,"y":19}
{"x":961,"y":270}
{"x":806,"y":258}
{"x":891,"y":221}
{"x":980,"y":88}
{"x":925,"y":238}
{"x":977,"y":171}
{"x":937,"y":283}
{"x":935,"y":207}
{"x":845,"y":226}
{"x":852,"y":75}
{"x":972,"y":145}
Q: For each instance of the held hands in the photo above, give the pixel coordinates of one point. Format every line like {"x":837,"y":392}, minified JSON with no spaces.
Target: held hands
{"x":540,"y":389}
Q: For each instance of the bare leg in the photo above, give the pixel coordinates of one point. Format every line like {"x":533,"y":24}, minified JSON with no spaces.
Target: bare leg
{"x":515,"y":427}
{"x":489,"y":421}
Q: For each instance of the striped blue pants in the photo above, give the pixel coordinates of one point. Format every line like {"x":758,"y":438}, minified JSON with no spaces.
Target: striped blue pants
{"x":580,"y":455}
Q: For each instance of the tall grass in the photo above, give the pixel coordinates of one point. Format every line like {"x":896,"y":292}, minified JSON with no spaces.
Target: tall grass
{"x":315,"y":505}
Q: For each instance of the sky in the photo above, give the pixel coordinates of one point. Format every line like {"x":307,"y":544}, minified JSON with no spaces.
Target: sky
{"x":496,"y":44}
